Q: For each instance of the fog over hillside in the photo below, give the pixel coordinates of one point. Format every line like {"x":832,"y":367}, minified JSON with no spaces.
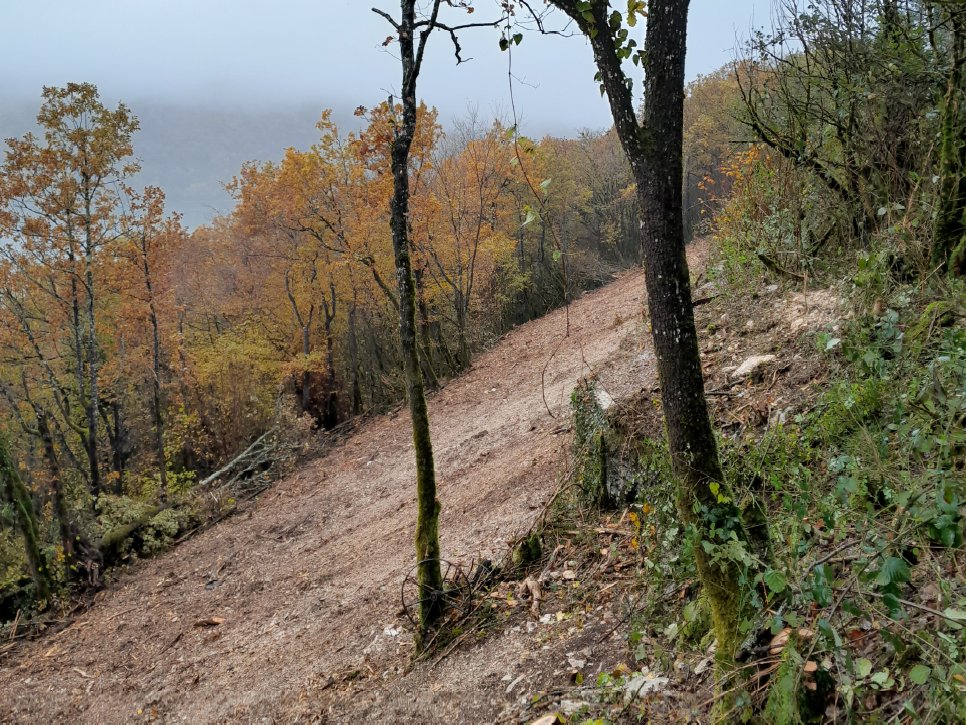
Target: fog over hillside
{"x":191,"y":149}
{"x":221,"y":82}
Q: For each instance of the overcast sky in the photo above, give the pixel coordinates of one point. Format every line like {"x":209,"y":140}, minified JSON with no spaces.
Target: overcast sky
{"x":216,"y":83}
{"x":323,"y":52}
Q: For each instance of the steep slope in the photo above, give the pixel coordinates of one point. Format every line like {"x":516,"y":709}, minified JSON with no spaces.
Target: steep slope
{"x":306,"y":579}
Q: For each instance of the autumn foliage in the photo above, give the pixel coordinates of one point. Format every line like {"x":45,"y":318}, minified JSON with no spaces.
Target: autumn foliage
{"x":137,"y":356}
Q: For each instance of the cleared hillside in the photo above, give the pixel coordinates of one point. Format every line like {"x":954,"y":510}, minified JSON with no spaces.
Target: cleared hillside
{"x":306,"y":579}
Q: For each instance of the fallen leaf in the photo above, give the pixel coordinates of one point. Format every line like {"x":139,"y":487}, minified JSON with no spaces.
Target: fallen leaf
{"x":210,"y":622}
{"x":546,"y":720}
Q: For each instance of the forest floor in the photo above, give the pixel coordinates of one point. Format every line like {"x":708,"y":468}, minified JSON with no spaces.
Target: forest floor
{"x":290,"y":610}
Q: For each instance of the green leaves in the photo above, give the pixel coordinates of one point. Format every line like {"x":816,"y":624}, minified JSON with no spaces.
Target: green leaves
{"x":894,"y":571}
{"x":955,"y":615}
{"x":586,"y":12}
{"x":775,"y":581}
{"x":820,"y":585}
{"x":531,"y":215}
{"x":514,"y":39}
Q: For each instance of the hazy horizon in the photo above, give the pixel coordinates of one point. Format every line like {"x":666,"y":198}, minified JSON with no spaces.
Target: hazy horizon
{"x":229,"y":81}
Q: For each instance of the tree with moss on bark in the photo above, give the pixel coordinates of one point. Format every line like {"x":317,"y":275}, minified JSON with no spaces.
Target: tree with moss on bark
{"x":18,"y":496}
{"x":411,"y":33}
{"x":653,"y":147}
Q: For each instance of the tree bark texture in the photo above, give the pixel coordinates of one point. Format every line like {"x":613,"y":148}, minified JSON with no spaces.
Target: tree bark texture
{"x":429,"y":575}
{"x":17,"y":494}
{"x":654,"y":150}
{"x":949,"y":243}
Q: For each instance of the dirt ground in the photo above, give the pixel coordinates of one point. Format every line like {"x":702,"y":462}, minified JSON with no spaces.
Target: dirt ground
{"x":254,"y":619}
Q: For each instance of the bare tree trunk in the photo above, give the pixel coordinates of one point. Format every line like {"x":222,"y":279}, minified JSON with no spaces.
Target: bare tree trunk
{"x":355,"y":388}
{"x":949,"y":242}
{"x":157,"y":404}
{"x":79,"y":554}
{"x":330,"y":416}
{"x":91,"y":407}
{"x":89,"y":436}
{"x":426,"y":359}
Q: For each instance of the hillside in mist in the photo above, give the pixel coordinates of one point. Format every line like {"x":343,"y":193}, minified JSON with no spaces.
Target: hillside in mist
{"x":191,"y":150}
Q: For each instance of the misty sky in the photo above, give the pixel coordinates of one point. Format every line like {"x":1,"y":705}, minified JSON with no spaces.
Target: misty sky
{"x":326,"y":52}
{"x":251,"y":76}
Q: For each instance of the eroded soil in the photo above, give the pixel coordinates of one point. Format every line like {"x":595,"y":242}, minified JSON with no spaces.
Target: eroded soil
{"x":306,"y":578}
{"x":290,"y":611}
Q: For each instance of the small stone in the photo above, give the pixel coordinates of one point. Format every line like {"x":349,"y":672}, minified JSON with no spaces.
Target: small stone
{"x":545,"y":720}
{"x":509,"y":688}
{"x":569,"y":707}
{"x":604,"y":401}
{"x":751,"y":364}
{"x":703,"y":665}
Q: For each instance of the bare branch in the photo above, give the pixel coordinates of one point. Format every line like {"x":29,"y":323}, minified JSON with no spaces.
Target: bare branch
{"x":452,"y":30}
{"x":387,"y":16}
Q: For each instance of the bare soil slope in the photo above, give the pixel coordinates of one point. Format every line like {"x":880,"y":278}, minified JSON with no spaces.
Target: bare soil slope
{"x":306,"y":580}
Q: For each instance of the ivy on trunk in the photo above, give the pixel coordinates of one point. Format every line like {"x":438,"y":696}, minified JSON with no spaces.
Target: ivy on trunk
{"x":654,"y":150}
{"x":14,"y":491}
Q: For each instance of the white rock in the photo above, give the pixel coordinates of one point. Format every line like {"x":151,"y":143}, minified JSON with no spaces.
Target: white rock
{"x":751,"y":364}
{"x":643,"y":683}
{"x":545,"y":720}
{"x":569,"y":707}
{"x":604,"y":401}
{"x":703,"y":665}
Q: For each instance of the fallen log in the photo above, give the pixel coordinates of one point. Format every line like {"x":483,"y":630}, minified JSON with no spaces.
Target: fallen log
{"x":110,"y":544}
{"x":251,"y":454}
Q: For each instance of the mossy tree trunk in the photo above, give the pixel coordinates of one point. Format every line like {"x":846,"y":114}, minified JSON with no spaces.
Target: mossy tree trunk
{"x":17,"y":494}
{"x":654,"y":150}
{"x":949,"y":242}
{"x":429,"y":574}
{"x":56,"y":488}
